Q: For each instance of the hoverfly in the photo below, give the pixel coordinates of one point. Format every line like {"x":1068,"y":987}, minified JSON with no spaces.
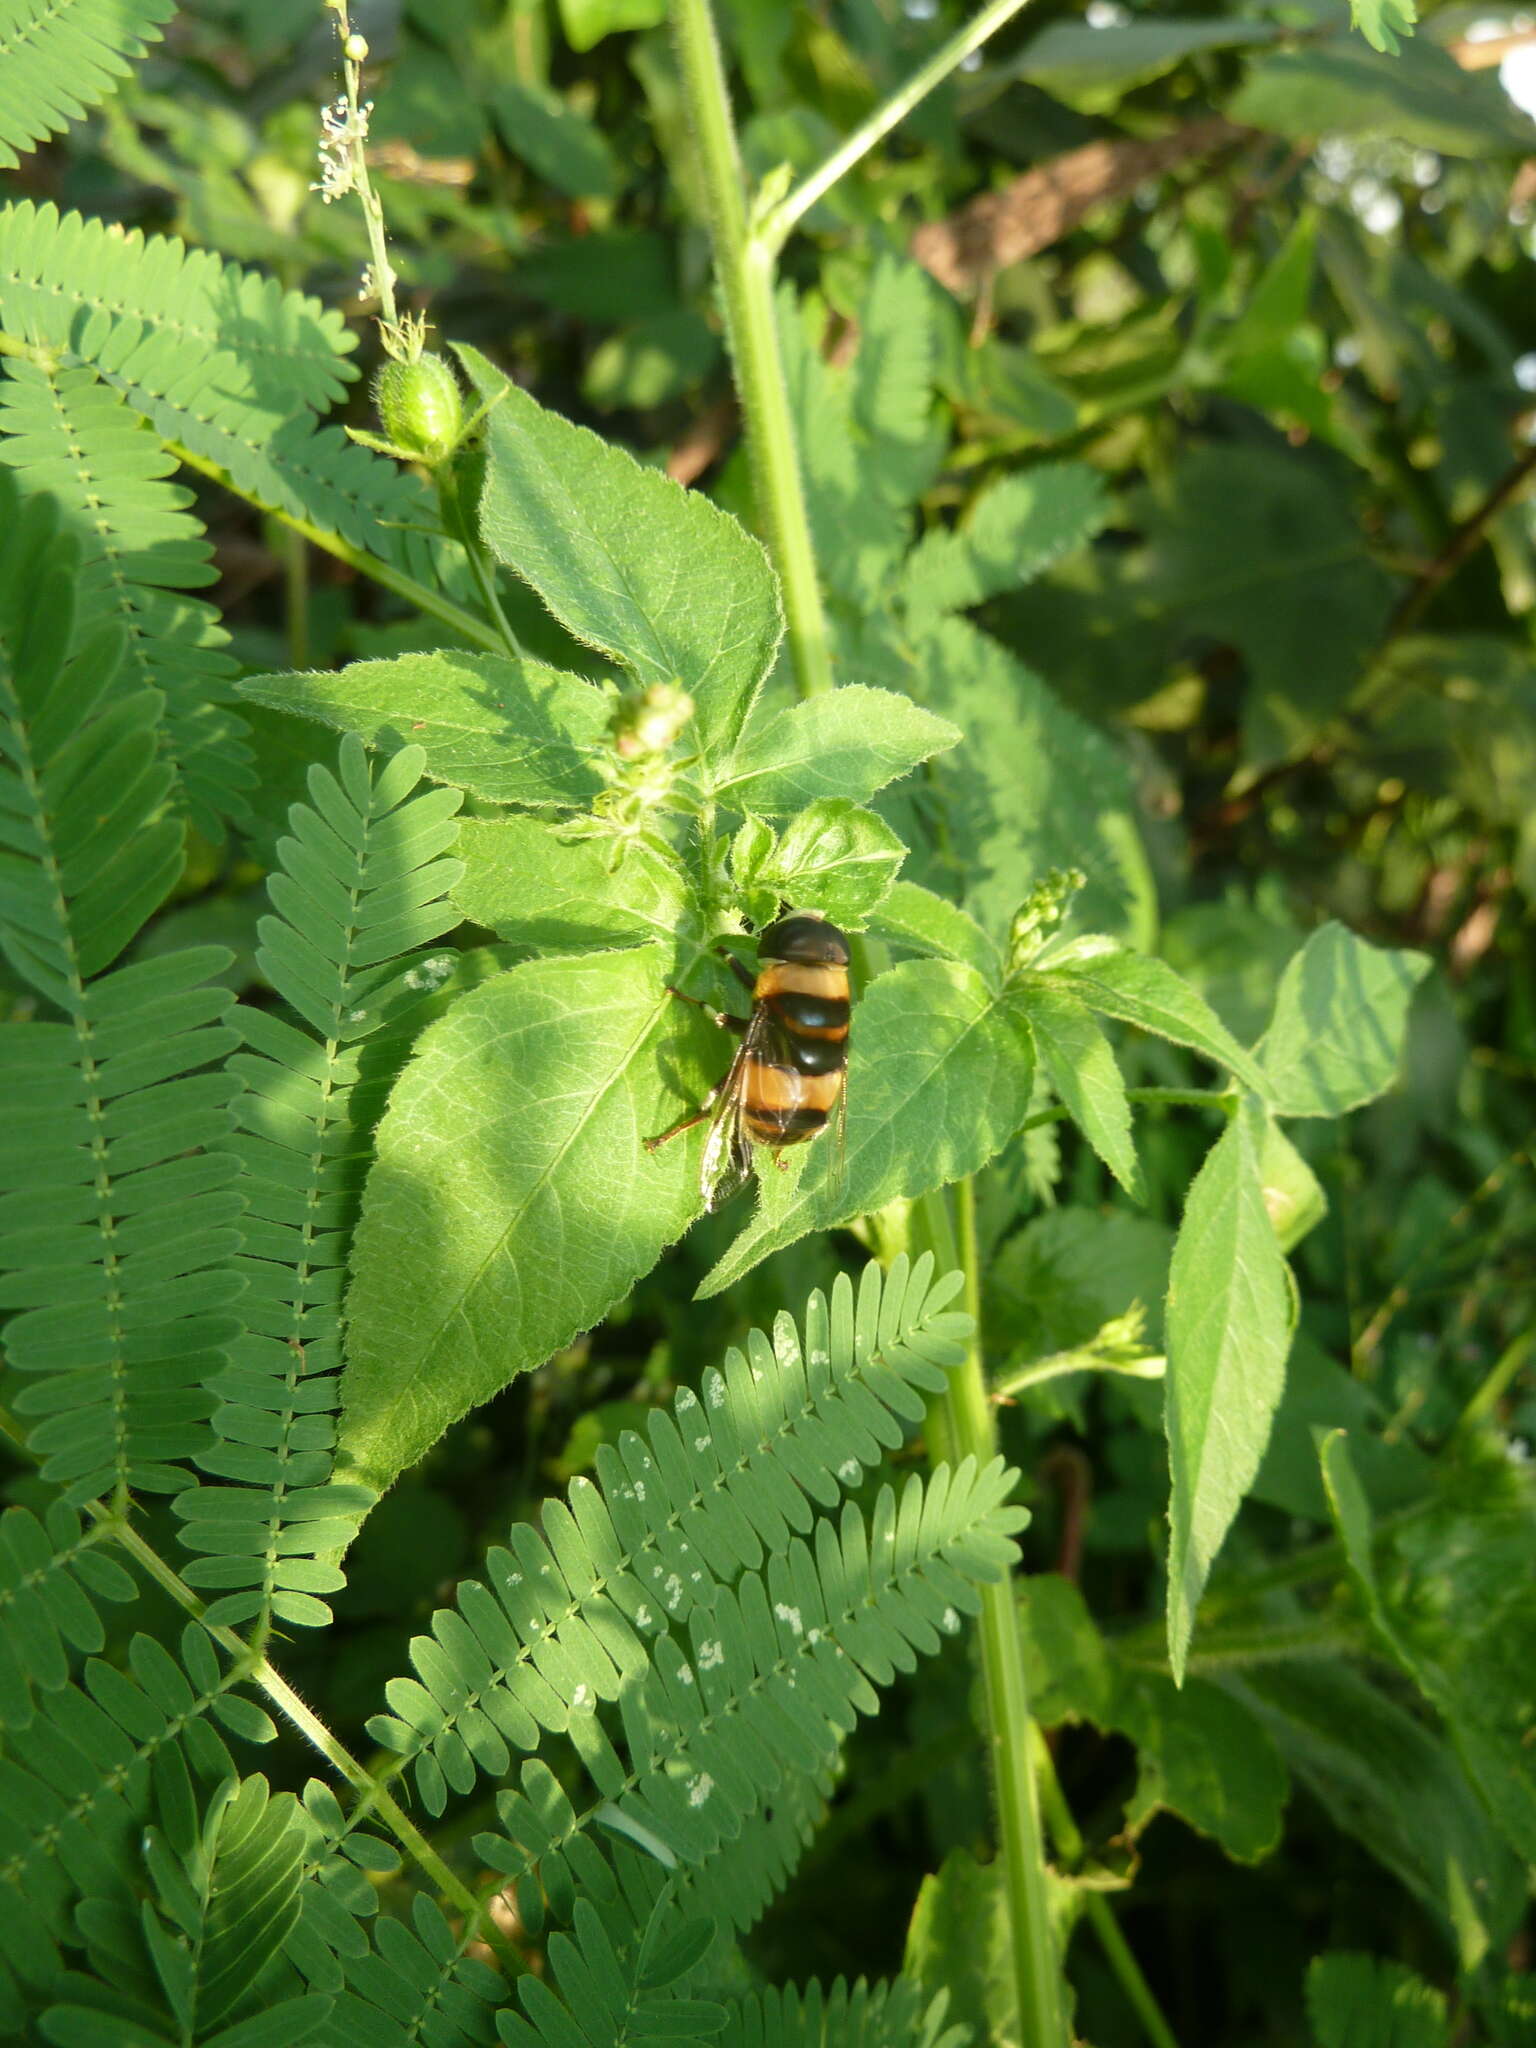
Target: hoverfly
{"x":787,"y":1077}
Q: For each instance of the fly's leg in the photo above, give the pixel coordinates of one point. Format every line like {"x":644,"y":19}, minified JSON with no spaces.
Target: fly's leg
{"x":715,"y":1016}
{"x":737,"y":969}
{"x":697,"y":1116}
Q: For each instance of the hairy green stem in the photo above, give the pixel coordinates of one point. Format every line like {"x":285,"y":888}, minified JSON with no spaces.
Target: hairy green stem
{"x":744,"y":265}
{"x":782,"y":218}
{"x":968,"y":1426}
{"x":1153,"y":1367}
{"x":460,"y":524}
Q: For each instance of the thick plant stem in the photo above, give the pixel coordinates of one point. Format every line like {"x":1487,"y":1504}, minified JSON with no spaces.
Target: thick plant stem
{"x":968,"y":1423}
{"x":744,"y":265}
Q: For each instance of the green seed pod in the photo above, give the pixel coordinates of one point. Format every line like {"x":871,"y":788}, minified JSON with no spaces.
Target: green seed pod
{"x":420,"y":407}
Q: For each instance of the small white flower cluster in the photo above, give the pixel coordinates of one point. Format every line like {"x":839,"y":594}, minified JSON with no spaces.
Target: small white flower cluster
{"x":340,"y":129}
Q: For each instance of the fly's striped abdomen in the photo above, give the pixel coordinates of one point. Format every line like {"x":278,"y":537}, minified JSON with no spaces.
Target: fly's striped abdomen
{"x":794,"y":1071}
{"x":781,"y":1105}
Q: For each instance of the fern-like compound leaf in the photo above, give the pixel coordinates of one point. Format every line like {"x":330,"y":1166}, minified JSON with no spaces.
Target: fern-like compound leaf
{"x":610,"y":1993}
{"x":712,"y":1488}
{"x":59,"y":61}
{"x":896,"y":2015}
{"x":360,"y":886}
{"x":66,"y":432}
{"x":117,"y":1750}
{"x":117,"y":1212}
{"x":217,"y":358}
{"x":338,"y":1894}
{"x":223,"y":1904}
{"x":774,"y":1675}
{"x":52,"y":1574}
{"x":418,"y":1983}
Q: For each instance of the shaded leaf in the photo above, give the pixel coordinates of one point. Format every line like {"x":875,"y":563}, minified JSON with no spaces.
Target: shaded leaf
{"x":562,"y":145}
{"x":1092,"y":67}
{"x":1262,"y":552}
{"x":1356,"y":2001}
{"x":1386,"y":1779}
{"x":1339,"y":1023}
{"x":1200,"y":1753}
{"x":1456,"y":1610}
{"x":1420,"y":96}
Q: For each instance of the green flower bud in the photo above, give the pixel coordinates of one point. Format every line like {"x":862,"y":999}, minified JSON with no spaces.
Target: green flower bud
{"x":420,"y":406}
{"x":1040,"y":913}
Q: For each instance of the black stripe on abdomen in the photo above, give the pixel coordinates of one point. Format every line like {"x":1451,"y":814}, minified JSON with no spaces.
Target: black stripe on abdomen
{"x":784,"y":1126}
{"x":797,"y":1009}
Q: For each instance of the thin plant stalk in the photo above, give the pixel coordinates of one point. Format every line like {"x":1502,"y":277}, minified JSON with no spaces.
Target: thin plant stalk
{"x":350,"y":138}
{"x":781,"y":219}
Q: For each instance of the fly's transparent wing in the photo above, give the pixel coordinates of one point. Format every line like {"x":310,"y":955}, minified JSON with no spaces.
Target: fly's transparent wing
{"x":727,"y":1162}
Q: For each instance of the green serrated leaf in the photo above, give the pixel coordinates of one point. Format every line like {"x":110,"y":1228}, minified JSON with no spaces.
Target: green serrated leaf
{"x":514,"y":732}
{"x":1086,"y":1076}
{"x":833,"y":858}
{"x":1148,"y":993}
{"x":943,"y":1085}
{"x":1230,"y":1315}
{"x":917,"y":920}
{"x":510,"y":1204}
{"x":523,"y":880}
{"x":652,"y":575}
{"x":1013,"y":532}
{"x":843,"y":743}
{"x":1339,"y":1023}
